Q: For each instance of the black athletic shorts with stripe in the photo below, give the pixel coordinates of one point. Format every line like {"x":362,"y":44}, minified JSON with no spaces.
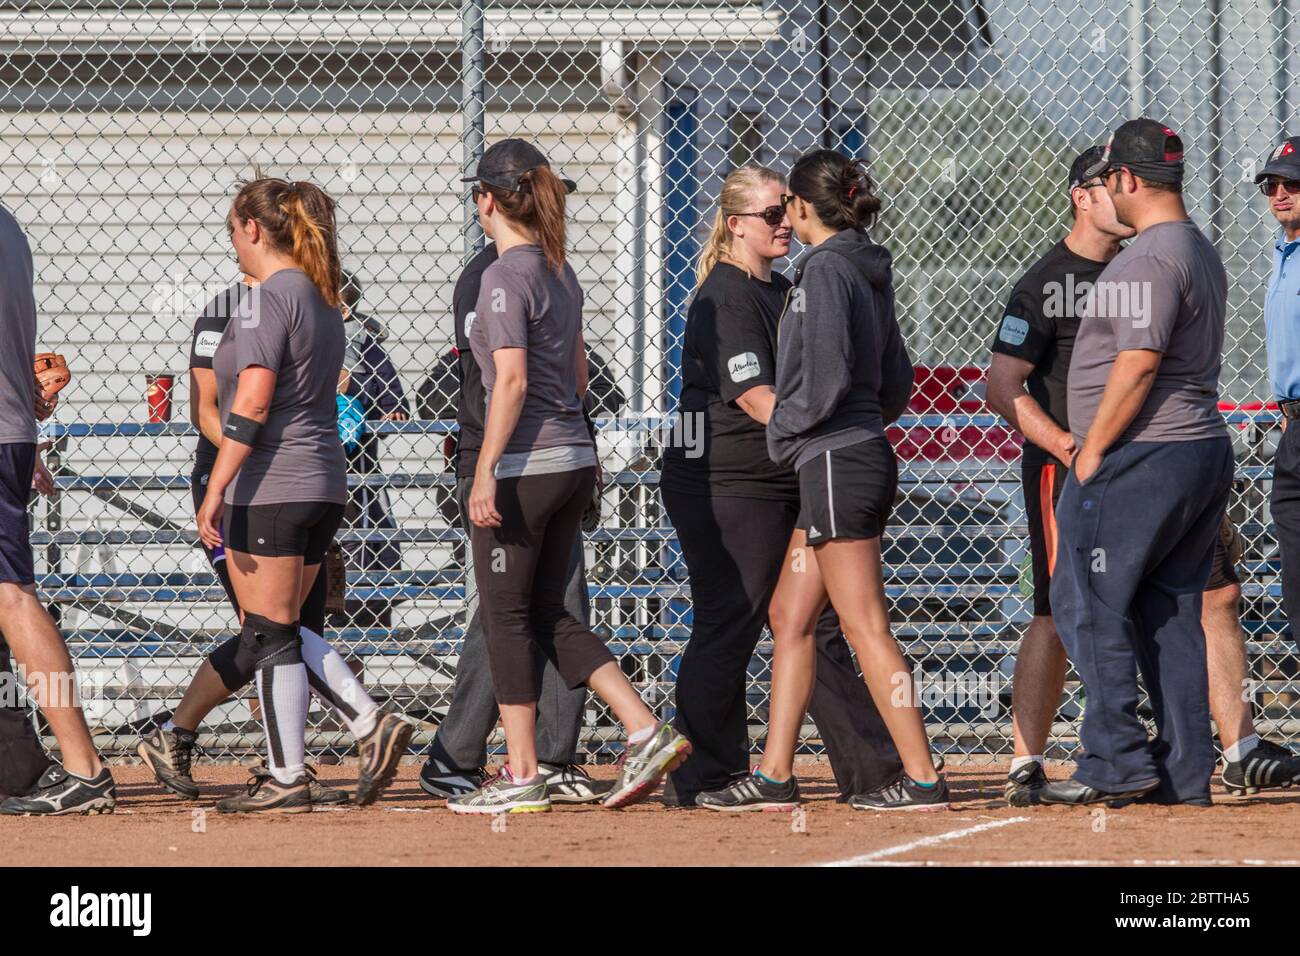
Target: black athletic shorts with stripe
{"x":849,"y":492}
{"x":1042,"y":483}
{"x":294,"y":529}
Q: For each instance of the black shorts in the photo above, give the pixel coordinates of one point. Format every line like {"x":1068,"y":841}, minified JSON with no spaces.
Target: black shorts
{"x":848,"y":493}
{"x":1043,"y":482}
{"x":295,"y":529}
{"x":17,"y":463}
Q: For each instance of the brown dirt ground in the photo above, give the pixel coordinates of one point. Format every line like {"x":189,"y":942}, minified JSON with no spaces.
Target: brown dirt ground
{"x":408,"y":828}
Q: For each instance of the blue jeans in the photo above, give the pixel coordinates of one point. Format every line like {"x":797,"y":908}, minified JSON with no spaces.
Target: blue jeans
{"x":1136,"y":543}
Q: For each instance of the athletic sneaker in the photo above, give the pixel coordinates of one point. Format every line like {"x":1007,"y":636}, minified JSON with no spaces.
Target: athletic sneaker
{"x":502,"y":795}
{"x":379,"y":753}
{"x":903,"y":794}
{"x":265,"y":794}
{"x":751,"y":792}
{"x":443,"y":780}
{"x":321,"y":795}
{"x":643,"y":765}
{"x":569,"y":783}
{"x":58,"y":793}
{"x":1266,"y":766}
{"x":1075,"y":794}
{"x":169,"y":754}
{"x":1025,"y":785}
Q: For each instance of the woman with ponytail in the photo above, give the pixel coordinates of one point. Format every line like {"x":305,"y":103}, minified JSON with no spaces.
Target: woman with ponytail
{"x":534,"y":478}
{"x":276,"y":493}
{"x":842,"y":375}
{"x":734,"y":510}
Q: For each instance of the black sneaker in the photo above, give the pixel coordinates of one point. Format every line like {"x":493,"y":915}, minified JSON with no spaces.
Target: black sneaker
{"x":445,"y":781}
{"x":751,"y":792}
{"x":904,"y":794}
{"x":1266,"y":767}
{"x":169,"y":754}
{"x":58,"y":793}
{"x":379,"y":753}
{"x":1025,"y":785}
{"x":1075,"y":794}
{"x":322,"y":795}
{"x":569,"y":783}
{"x":265,"y":794}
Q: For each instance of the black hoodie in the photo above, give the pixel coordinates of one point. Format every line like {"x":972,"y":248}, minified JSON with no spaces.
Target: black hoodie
{"x":843,"y":372}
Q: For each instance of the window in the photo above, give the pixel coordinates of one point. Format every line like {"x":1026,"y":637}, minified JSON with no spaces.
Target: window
{"x":746,"y":129}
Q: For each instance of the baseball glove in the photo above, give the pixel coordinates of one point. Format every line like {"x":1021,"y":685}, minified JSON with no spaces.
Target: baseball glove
{"x":52,"y":373}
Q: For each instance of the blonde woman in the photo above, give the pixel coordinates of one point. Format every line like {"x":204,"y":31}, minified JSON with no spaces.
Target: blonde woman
{"x":734,"y":510}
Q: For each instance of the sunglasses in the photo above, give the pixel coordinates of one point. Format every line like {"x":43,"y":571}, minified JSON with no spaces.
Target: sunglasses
{"x":475,"y":192}
{"x":772,"y":215}
{"x":1268,"y":186}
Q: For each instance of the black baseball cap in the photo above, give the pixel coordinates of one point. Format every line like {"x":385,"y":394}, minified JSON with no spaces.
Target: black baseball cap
{"x":1283,"y":161}
{"x":1148,"y":148}
{"x":506,"y":161}
{"x":1082,"y":163}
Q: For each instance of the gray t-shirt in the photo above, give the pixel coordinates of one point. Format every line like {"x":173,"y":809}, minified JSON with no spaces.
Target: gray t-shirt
{"x":295,"y":333}
{"x":17,"y":333}
{"x":1167,"y":292}
{"x":524,"y":304}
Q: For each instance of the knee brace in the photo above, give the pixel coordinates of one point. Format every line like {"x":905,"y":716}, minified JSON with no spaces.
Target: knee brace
{"x":266,"y":643}
{"x":225,"y":661}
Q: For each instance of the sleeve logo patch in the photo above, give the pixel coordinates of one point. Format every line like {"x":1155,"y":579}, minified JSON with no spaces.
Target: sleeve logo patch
{"x":743,"y":366}
{"x":1014,"y":330}
{"x":205,"y":343}
{"x":469,"y":322}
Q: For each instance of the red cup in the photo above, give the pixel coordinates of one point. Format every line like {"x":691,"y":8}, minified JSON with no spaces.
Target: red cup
{"x":158,"y":396}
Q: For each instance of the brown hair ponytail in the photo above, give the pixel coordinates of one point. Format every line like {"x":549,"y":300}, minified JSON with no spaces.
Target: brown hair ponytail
{"x":540,"y":205}
{"x":299,"y":221}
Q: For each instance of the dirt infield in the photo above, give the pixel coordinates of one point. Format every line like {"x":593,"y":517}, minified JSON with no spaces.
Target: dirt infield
{"x":409,"y":828}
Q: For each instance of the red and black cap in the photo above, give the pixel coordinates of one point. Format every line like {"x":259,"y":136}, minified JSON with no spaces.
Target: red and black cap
{"x":506,"y":161}
{"x":1283,"y":162}
{"x":1089,"y":158}
{"x":1146,"y":147}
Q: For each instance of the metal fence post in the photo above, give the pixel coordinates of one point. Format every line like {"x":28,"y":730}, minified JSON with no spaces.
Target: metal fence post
{"x":473,"y":109}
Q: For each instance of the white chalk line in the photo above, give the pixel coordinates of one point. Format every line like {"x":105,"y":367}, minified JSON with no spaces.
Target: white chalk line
{"x":868,"y":859}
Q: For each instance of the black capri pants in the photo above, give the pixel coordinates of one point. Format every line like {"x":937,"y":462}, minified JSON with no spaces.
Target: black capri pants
{"x":521,"y":570}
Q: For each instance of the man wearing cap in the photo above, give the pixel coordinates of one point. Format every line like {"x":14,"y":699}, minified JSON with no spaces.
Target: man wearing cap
{"x":1027,"y":385}
{"x":455,"y":765}
{"x":1279,"y":181}
{"x":1142,"y":505}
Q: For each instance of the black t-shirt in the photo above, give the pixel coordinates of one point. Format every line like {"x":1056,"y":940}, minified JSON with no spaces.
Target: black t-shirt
{"x":471,"y":407}
{"x":729,"y":347}
{"x":208,"y":330}
{"x":1039,"y":326}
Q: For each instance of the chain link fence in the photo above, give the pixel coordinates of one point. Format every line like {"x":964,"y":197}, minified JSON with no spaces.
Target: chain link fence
{"x":125,"y":127}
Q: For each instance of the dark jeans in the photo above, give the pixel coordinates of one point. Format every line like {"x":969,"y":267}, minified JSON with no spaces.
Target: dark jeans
{"x":1136,"y":544}
{"x":461,"y":741}
{"x":521,"y":569}
{"x":733,"y":549}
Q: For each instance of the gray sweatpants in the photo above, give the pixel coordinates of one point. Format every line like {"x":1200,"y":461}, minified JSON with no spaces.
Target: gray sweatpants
{"x":461,"y":741}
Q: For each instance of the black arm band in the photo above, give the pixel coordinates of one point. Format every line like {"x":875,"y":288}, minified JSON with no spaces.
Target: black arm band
{"x":241,"y":429}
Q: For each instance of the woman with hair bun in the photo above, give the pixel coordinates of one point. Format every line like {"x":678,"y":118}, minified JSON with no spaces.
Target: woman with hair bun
{"x":277,"y":488}
{"x":842,"y":375}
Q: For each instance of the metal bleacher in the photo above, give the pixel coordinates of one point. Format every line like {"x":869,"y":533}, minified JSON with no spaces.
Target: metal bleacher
{"x":953,"y":559}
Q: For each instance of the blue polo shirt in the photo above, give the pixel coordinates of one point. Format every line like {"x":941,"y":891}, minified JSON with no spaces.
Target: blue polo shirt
{"x":1282,"y":320}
